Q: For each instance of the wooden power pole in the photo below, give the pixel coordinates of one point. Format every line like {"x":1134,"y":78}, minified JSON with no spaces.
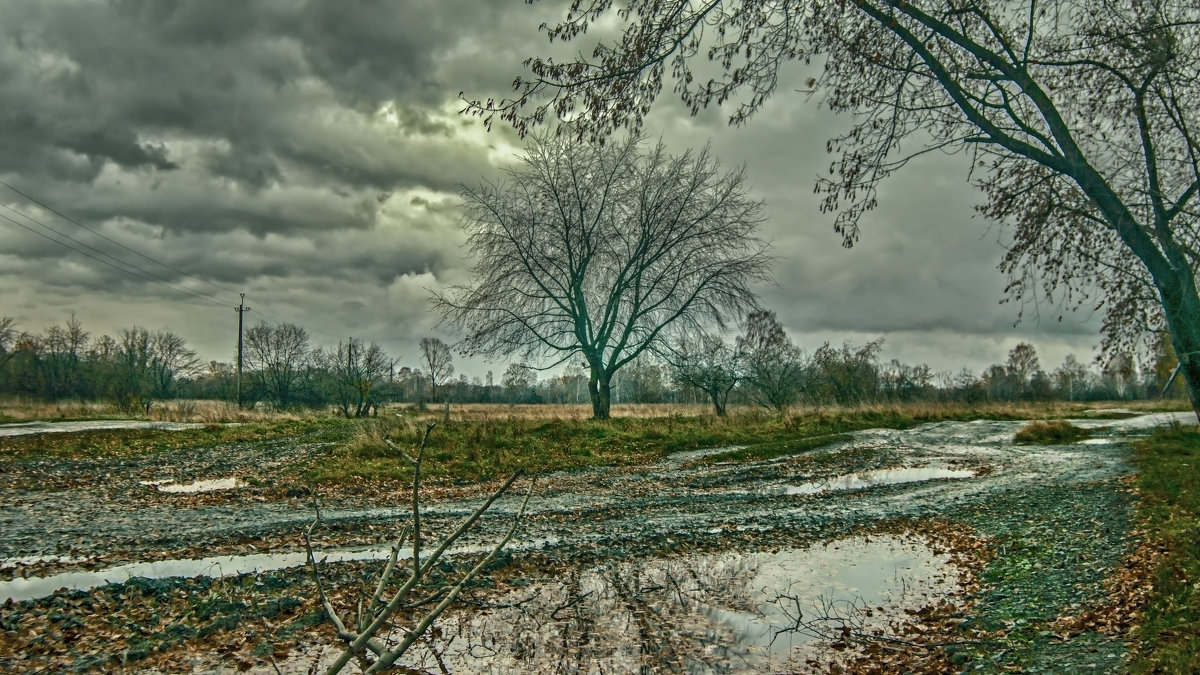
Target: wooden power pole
{"x":241,"y":310}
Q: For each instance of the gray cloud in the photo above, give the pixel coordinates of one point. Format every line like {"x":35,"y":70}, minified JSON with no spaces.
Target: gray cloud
{"x":309,"y":153}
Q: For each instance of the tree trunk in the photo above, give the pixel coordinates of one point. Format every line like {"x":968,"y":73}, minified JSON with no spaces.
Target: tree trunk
{"x":600,"y":390}
{"x":1182,"y":310}
{"x":718,"y":404}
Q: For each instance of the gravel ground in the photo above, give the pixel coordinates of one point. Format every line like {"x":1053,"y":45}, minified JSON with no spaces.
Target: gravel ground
{"x":1058,"y":516}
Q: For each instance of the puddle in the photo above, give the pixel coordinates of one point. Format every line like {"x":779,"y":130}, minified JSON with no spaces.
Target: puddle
{"x":194,"y":487}
{"x":730,"y":612}
{"x":219,"y":566}
{"x":26,"y":428}
{"x":866,"y":479}
{"x":37,"y":587}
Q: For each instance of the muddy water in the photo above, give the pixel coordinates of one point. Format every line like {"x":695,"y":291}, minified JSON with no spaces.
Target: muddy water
{"x":27,"y":428}
{"x":675,"y":496}
{"x":914,"y":473}
{"x":726,"y":613}
{"x":869,"y":479}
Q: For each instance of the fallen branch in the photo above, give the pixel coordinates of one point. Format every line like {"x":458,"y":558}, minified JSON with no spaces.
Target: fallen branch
{"x":378,"y":613}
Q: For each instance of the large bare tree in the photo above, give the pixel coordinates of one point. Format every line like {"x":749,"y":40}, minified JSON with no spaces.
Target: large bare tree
{"x":1080,"y":119}
{"x":602,"y":251}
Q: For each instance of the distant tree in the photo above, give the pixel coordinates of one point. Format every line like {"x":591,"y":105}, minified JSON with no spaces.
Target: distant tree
{"x":1079,"y":120}
{"x":902,"y":382}
{"x":641,"y":381}
{"x":149,"y":366}
{"x":1021,"y":366}
{"x":439,"y":363}
{"x":1071,"y":378}
{"x":605,"y":252}
{"x":1120,"y":376}
{"x":518,"y":382}
{"x":8,"y":335}
{"x":280,"y":360}
{"x":61,"y":365}
{"x":708,"y":363}
{"x":775,"y":369}
{"x":356,"y":373}
{"x":171,"y":360}
{"x":849,"y":375}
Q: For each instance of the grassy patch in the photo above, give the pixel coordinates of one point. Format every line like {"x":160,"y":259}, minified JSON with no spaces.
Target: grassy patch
{"x":1169,"y":481}
{"x":1057,"y":432}
{"x":487,"y":447}
{"x":128,"y":442}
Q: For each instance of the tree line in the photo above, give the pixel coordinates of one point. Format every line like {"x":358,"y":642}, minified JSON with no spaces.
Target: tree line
{"x":761,"y":367}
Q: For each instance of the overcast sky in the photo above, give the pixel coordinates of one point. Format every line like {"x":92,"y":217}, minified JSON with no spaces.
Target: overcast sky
{"x":309,"y":153}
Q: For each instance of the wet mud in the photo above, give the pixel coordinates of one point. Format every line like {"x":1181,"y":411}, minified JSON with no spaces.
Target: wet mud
{"x":743,"y":528}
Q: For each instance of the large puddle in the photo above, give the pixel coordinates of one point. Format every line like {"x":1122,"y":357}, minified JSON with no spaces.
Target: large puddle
{"x":26,"y":428}
{"x":31,"y":588}
{"x":867,"y":479}
{"x":727,"y":613}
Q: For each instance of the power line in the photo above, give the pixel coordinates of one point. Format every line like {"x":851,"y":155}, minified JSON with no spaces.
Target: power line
{"x":172,"y":284}
{"x":110,"y":239}
{"x":182,"y":290}
{"x":279,"y":318}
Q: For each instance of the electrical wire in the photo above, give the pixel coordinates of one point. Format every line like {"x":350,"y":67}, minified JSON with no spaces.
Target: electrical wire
{"x":178,"y":289}
{"x":114,"y":241}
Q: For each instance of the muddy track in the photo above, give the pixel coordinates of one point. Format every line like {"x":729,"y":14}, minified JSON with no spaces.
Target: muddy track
{"x":112,"y":515}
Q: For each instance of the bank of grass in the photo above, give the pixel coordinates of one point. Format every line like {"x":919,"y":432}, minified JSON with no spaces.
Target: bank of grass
{"x":128,"y":442}
{"x":1168,"y":641}
{"x":484,"y":443}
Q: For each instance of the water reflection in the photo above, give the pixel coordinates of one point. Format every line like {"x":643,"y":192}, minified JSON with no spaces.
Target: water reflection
{"x":866,"y":479}
{"x":726,"y":613}
{"x":195,"y":486}
{"x":26,"y":428}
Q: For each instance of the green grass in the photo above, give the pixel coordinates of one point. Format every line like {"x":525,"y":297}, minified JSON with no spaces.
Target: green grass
{"x":1058,"y":432}
{"x":1169,"y":481}
{"x":471,"y":451}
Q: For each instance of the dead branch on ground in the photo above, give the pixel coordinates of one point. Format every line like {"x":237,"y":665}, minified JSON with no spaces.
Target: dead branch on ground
{"x":363,"y":643}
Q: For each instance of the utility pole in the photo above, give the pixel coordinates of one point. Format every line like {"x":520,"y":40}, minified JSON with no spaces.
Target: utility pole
{"x":241,"y":310}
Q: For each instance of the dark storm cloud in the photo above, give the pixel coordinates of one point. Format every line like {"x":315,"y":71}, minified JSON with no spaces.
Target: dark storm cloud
{"x":309,"y":153}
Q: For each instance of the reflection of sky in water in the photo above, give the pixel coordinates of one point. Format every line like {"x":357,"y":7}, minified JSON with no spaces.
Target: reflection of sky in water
{"x":194,"y":487}
{"x":219,"y":566}
{"x":865,"y":479}
{"x":27,"y":428}
{"x":709,"y":613}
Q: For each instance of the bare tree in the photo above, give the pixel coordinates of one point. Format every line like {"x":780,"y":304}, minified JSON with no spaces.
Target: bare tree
{"x":518,"y":381}
{"x":775,"y":369}
{"x":356,"y":372}
{"x":707,"y":363}
{"x":279,"y":356}
{"x":849,"y":375}
{"x":440,"y":363}
{"x":604,"y":251}
{"x":1080,"y":120}
{"x":8,"y":336}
